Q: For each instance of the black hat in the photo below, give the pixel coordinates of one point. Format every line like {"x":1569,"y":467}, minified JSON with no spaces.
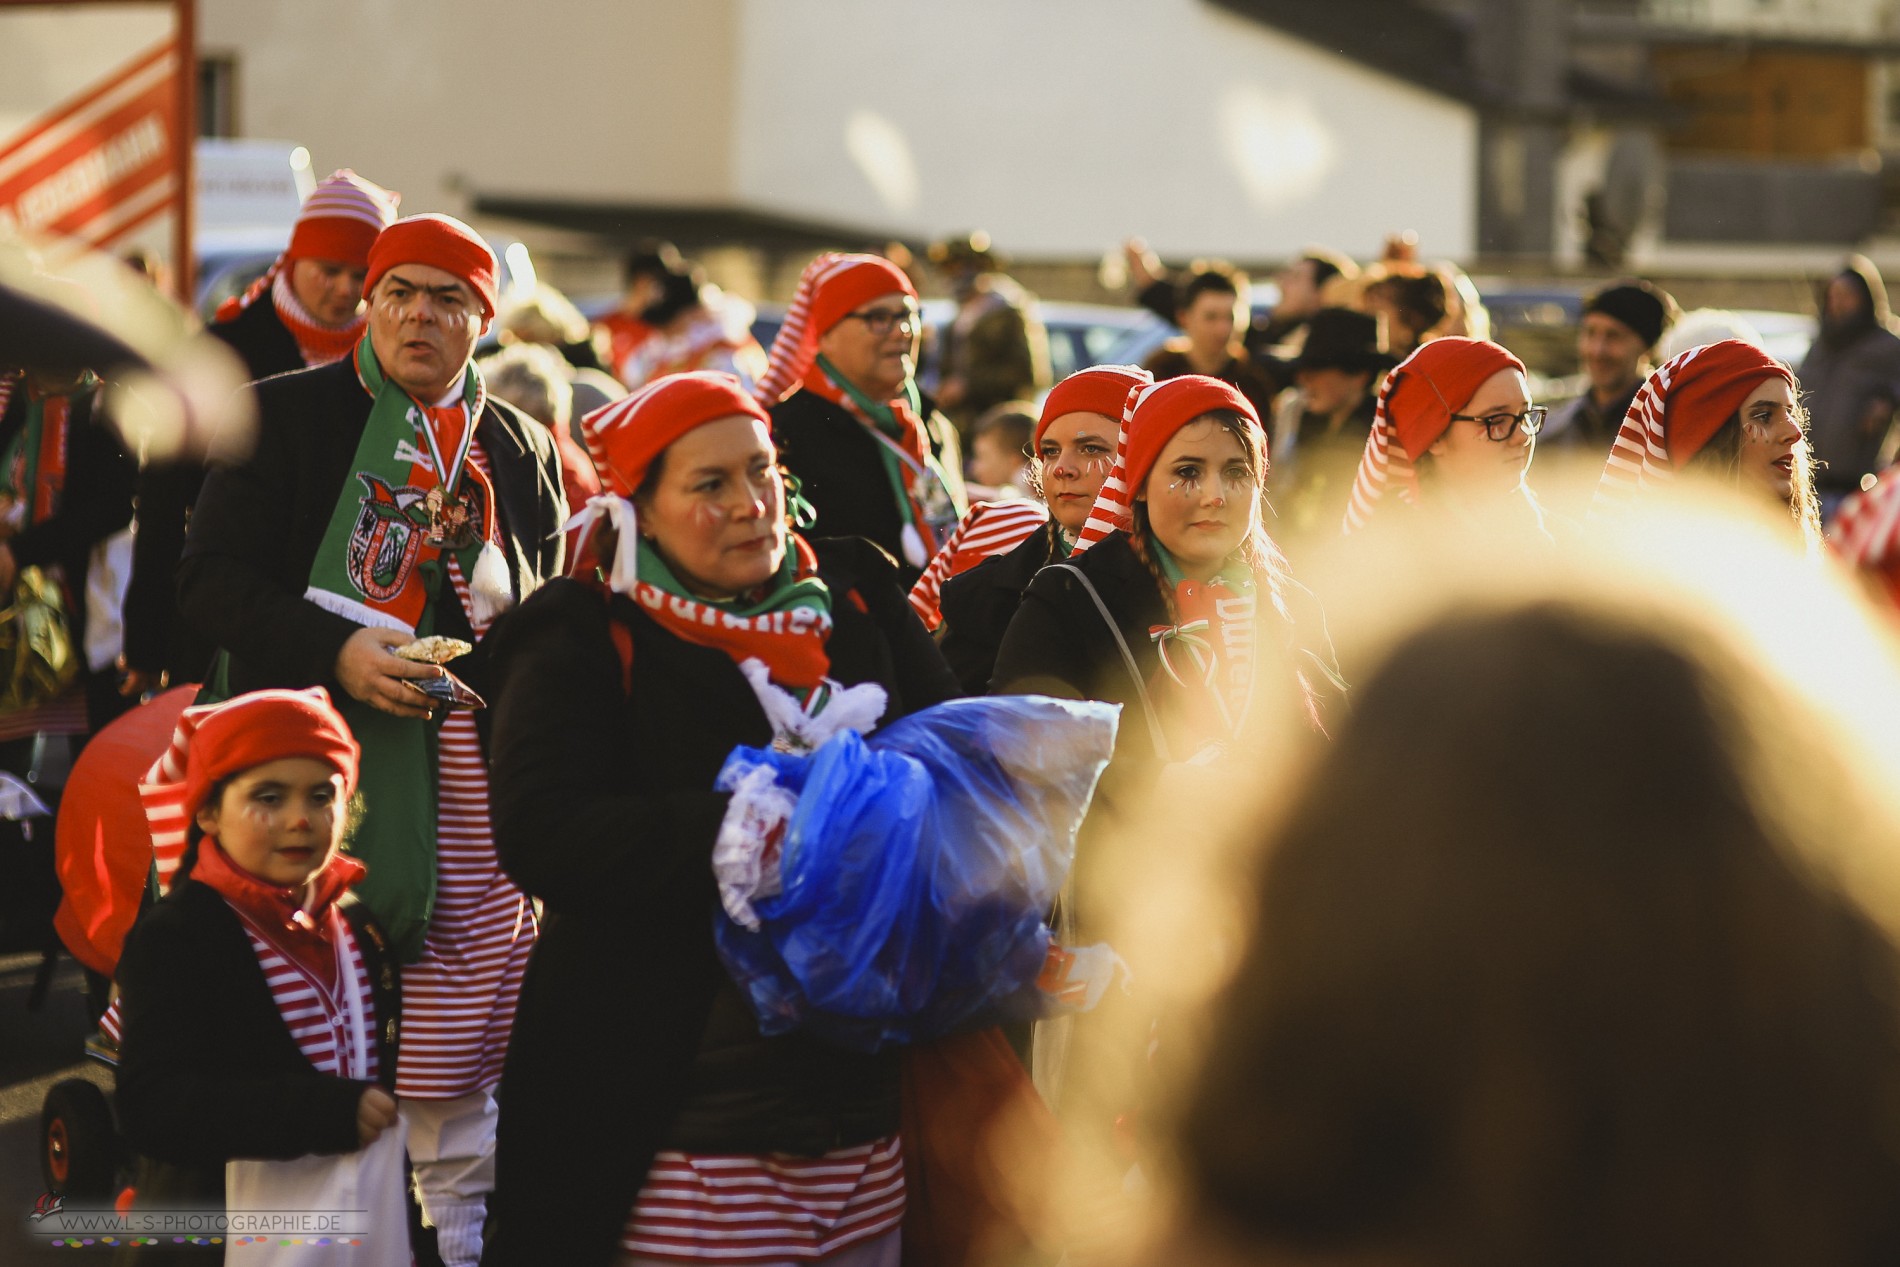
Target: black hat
{"x":1646,"y":309}
{"x":1342,"y":339}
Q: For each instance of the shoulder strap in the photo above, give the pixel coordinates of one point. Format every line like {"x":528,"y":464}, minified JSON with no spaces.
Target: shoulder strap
{"x":1155,"y":734}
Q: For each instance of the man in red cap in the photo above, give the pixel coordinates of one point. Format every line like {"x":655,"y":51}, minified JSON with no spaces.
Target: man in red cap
{"x":307,"y":309}
{"x":386,"y":497}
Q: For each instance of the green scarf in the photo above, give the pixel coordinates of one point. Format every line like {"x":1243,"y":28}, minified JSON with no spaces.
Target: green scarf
{"x":785,"y":623}
{"x":373,"y":567}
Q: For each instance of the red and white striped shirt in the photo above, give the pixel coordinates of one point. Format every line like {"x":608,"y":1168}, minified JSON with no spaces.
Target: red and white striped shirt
{"x":319,"y":1017}
{"x":458,"y":1000}
{"x":766,"y":1209}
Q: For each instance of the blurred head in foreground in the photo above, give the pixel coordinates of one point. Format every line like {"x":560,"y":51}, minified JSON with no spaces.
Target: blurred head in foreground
{"x":1576,"y":946}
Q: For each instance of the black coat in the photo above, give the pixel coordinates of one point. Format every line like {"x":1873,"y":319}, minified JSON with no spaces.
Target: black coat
{"x":208,"y":1071}
{"x":978,"y":605}
{"x":840,"y":468}
{"x":262,"y":516}
{"x":1058,"y":644}
{"x":604,"y":809}
{"x":259,"y":336}
{"x":96,"y":501}
{"x":155,"y":638}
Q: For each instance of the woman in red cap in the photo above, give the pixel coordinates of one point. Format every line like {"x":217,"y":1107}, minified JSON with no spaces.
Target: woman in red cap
{"x":1725,"y":409}
{"x":613,"y":713}
{"x":260,"y":1015}
{"x":977,"y":580}
{"x":872,"y":456}
{"x":1453,"y":432}
{"x":1179,"y":600}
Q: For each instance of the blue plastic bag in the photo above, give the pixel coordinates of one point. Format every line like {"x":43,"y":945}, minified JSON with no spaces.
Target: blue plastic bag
{"x":918,"y":868}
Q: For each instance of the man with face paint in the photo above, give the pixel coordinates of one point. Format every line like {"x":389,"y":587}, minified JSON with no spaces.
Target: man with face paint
{"x":388,"y":496}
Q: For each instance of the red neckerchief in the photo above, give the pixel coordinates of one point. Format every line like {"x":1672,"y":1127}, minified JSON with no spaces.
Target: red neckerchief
{"x":793,"y":649}
{"x":319,"y":344}
{"x":295,"y":921}
{"x":913,"y":440}
{"x":1209,"y":653}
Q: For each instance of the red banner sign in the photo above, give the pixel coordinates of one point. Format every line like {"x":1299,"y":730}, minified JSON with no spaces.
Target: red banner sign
{"x":103,"y":164}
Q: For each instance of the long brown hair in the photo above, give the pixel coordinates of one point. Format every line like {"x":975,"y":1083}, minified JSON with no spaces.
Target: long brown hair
{"x":1543,"y":970}
{"x":1721,"y":457}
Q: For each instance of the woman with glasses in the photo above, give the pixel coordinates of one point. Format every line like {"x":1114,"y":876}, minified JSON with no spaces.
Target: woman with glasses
{"x":1725,"y":409}
{"x":1453,"y":432}
{"x":872,"y":456}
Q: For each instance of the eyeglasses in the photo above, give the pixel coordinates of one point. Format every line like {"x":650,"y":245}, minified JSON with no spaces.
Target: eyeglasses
{"x":880,"y":321}
{"x":1499,"y":426}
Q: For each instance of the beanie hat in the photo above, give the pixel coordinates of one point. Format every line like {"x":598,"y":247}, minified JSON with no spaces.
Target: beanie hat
{"x":340,"y":220}
{"x":1677,"y":412}
{"x":1101,"y":389}
{"x":1151,"y":415}
{"x":829,"y":289}
{"x":1642,"y":307}
{"x":441,"y":242}
{"x":625,"y":437}
{"x":214,"y":741}
{"x":1414,"y":409}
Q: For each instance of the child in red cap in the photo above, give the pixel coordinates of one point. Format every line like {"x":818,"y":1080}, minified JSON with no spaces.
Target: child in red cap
{"x":260,"y":1016}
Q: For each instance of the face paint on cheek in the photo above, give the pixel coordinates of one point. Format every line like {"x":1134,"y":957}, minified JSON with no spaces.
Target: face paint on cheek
{"x":706,"y":516}
{"x":1098,"y":466}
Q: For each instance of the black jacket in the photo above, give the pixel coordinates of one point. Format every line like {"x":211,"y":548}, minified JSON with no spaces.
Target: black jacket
{"x":263,"y":513}
{"x":840,"y":468}
{"x":1058,"y":644}
{"x":259,"y":336}
{"x":604,"y":808}
{"x":208,"y":1071}
{"x":978,"y":605}
{"x":154,"y":637}
{"x":96,"y":501}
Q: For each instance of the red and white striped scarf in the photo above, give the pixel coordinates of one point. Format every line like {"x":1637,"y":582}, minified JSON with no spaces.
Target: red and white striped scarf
{"x":1866,"y":533}
{"x":317,"y":343}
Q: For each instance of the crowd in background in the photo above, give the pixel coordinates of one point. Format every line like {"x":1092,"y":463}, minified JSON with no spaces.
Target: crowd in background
{"x":660,"y":540}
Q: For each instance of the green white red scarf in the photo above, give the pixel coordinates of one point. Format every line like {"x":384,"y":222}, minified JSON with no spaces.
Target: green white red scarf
{"x":1209,"y":652}
{"x":376,"y":548}
{"x":784,"y":623}
{"x":926,"y":498}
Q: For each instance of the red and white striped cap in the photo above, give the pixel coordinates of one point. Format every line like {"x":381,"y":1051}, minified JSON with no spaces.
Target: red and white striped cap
{"x":830,"y":287}
{"x":341,"y":218}
{"x":1866,"y":533}
{"x":1678,"y":410}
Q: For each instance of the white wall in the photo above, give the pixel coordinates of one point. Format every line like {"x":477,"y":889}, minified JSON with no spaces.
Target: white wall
{"x":1063,"y":126}
{"x":573,"y":99}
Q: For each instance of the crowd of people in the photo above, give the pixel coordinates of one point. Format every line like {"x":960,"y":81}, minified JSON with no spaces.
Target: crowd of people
{"x":500,"y":622}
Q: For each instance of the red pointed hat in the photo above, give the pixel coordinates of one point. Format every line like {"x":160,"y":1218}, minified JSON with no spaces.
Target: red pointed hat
{"x":441,"y":242}
{"x":1414,"y":409}
{"x":1101,"y":389}
{"x":340,"y":220}
{"x":830,"y":287}
{"x":215,"y":741}
{"x":1165,"y":408}
{"x":625,"y":437}
{"x":1678,"y":410}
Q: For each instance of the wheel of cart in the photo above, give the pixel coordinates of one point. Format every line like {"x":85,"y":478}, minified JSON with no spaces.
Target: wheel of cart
{"x":104,"y":855}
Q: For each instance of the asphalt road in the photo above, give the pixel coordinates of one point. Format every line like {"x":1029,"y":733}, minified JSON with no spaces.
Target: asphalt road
{"x":37,"y":1049}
